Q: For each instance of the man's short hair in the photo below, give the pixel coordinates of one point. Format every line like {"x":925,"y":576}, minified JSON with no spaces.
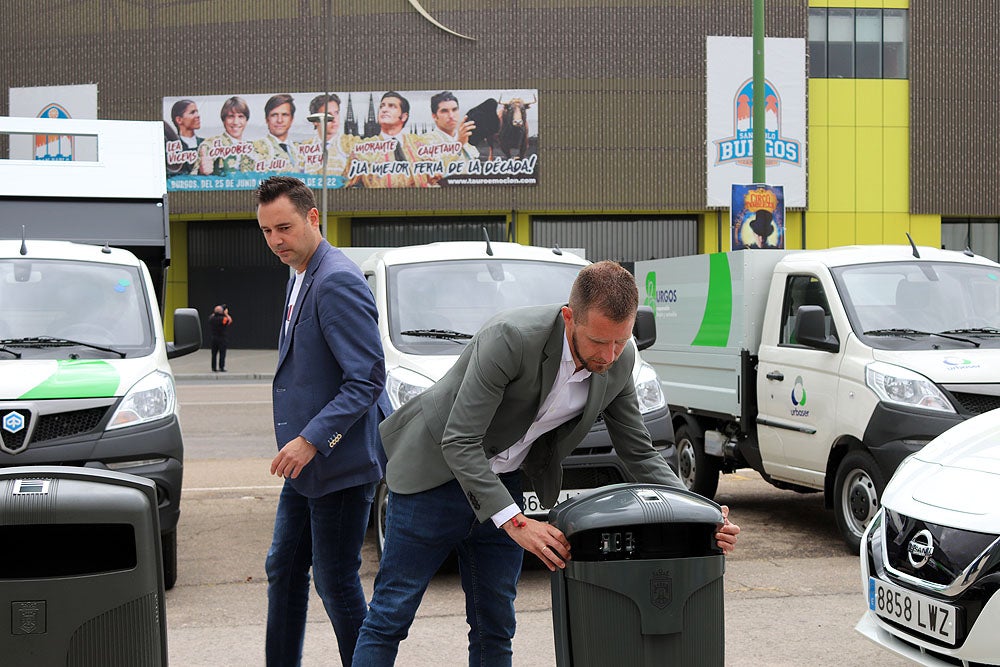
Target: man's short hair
{"x":180,"y":106}
{"x":321,"y":101}
{"x":235,"y":105}
{"x":277,"y":100}
{"x":404,"y":105}
{"x":606,"y":287}
{"x":298,"y":193}
{"x":443,"y":96}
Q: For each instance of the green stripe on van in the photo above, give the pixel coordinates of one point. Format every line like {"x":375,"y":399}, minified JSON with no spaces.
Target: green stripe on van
{"x":718,"y":318}
{"x":87,"y":378}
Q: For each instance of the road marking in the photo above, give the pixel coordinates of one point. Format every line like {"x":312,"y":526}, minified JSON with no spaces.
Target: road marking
{"x":225,"y":402}
{"x":232,"y":488}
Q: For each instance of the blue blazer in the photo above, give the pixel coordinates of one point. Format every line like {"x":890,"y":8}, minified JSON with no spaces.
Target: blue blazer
{"x":330,"y":376}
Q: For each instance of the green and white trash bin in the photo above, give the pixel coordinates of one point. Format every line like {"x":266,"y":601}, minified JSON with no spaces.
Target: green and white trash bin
{"x":81,"y":578}
{"x":644,"y":586}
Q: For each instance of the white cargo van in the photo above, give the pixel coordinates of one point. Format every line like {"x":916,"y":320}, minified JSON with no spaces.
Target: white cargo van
{"x":823,"y":369}
{"x":84,"y":377}
{"x":432,"y":299}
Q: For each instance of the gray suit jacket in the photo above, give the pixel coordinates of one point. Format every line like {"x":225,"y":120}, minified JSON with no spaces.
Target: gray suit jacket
{"x":486,"y":403}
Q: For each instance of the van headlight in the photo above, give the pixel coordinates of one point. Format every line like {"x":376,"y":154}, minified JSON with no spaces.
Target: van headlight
{"x":151,"y":398}
{"x":901,"y":386}
{"x":401,"y":385}
{"x":647,"y":389}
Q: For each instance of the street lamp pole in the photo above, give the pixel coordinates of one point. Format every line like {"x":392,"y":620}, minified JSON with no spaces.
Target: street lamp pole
{"x":758,"y":92}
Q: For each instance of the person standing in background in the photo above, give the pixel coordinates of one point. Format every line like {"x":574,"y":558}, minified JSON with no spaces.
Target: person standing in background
{"x":218,"y":325}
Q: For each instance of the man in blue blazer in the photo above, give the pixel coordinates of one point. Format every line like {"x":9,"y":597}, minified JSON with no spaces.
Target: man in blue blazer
{"x":325,"y":393}
{"x":521,"y":396}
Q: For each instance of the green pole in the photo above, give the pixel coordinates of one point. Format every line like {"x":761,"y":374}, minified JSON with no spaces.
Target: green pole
{"x":758,"y":92}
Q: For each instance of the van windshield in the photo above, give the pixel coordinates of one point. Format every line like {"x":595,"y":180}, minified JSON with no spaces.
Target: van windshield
{"x":436,"y":307}
{"x":910,"y":305}
{"x":62,"y":309}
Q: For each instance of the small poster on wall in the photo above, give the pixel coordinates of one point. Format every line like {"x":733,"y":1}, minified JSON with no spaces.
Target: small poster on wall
{"x":757,"y":216}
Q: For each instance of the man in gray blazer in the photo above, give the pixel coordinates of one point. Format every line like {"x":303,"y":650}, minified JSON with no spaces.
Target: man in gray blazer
{"x":522,"y":395}
{"x":326,"y":394}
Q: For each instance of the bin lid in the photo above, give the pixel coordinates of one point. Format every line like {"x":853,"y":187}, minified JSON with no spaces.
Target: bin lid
{"x":630,"y":505}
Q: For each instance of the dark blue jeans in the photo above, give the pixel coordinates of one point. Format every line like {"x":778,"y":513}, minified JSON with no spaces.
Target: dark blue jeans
{"x":324,"y":534}
{"x":421,"y":530}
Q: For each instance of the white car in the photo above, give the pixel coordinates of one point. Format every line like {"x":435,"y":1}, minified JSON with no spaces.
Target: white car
{"x":930,"y":559}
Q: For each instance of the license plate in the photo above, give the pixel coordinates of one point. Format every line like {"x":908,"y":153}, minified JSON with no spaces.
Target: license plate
{"x":532,"y":506}
{"x":919,"y":613}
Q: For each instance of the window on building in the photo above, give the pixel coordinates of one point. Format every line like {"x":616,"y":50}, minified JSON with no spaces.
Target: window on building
{"x":817,"y":43}
{"x":840,"y":43}
{"x":981,"y":235}
{"x":894,"y":43}
{"x":846,"y":43}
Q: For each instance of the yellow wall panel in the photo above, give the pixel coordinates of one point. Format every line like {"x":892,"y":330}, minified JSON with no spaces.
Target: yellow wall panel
{"x":793,"y":230}
{"x":868,"y":102}
{"x":843,"y":103}
{"x":868,"y":228}
{"x":842,"y":230}
{"x":926,"y":230}
{"x":894,"y":227}
{"x":896,"y":169}
{"x":819,"y":102}
{"x":817,"y":230}
{"x":842,"y":165}
{"x":896,"y":103}
{"x":869,"y":170}
{"x":818,"y":182}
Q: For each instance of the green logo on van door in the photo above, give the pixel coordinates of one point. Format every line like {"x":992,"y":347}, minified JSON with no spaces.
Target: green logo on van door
{"x":651,"y":291}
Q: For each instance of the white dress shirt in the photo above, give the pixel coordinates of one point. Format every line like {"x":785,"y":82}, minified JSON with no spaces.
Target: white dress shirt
{"x":564,"y":402}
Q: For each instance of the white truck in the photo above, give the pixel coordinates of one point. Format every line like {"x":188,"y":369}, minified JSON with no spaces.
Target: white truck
{"x":84,"y":376}
{"x":432,"y":299}
{"x":821,"y":369}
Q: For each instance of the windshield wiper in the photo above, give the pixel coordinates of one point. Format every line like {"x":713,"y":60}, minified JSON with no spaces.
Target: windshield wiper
{"x":446,"y":334}
{"x":914,"y":332}
{"x":988,"y":331}
{"x":49,"y":341}
{"x":4,"y":348}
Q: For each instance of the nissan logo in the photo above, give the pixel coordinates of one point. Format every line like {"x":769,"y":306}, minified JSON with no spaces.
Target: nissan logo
{"x":920,"y":549}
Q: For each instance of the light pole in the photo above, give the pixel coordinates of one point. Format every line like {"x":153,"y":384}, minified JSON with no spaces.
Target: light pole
{"x":323,"y":117}
{"x":758,"y":92}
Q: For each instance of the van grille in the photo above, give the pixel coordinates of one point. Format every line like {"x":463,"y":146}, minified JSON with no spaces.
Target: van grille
{"x":67,"y":424}
{"x":976,"y":404}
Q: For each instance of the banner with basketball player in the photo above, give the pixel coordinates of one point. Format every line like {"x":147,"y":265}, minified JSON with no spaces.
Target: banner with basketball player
{"x":730,"y":94}
{"x":374,"y":139}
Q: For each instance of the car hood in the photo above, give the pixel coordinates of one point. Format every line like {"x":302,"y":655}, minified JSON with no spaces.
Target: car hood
{"x":432,"y":367}
{"x":955,"y":479}
{"x":36,"y":379}
{"x":947,"y":366}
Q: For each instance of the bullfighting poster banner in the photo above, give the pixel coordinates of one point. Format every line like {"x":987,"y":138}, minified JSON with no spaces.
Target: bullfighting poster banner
{"x":374,"y":139}
{"x":757,"y":216}
{"x":730,"y":94}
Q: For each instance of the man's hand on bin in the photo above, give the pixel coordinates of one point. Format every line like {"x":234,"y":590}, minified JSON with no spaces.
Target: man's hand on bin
{"x":544,"y":540}
{"x":727,"y":535}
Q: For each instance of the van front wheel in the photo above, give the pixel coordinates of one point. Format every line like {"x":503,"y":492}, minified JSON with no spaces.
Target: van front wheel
{"x":698,"y":470}
{"x":858,"y":487}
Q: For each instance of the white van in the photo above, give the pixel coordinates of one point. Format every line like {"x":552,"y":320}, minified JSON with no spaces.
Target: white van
{"x":432,"y":299}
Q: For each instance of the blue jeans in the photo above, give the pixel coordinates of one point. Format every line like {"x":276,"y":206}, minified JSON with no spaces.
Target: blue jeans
{"x":421,"y":530}
{"x":324,"y":534}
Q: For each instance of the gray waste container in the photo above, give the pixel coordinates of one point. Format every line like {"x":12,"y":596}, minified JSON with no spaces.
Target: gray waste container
{"x":81,"y":582}
{"x":644,"y":586}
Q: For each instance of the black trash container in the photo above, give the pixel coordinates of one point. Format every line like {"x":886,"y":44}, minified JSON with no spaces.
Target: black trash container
{"x":81,"y":579}
{"x":644,"y":586}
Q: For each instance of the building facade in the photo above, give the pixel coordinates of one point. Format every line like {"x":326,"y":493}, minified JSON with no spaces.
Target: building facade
{"x":899,"y":102}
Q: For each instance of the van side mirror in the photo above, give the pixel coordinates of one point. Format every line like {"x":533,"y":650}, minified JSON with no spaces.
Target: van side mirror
{"x":810,"y":329}
{"x":187,"y":333}
{"x":644,"y":328}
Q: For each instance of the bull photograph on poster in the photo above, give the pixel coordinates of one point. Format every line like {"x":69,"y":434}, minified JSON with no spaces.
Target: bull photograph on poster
{"x":374,"y":139}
